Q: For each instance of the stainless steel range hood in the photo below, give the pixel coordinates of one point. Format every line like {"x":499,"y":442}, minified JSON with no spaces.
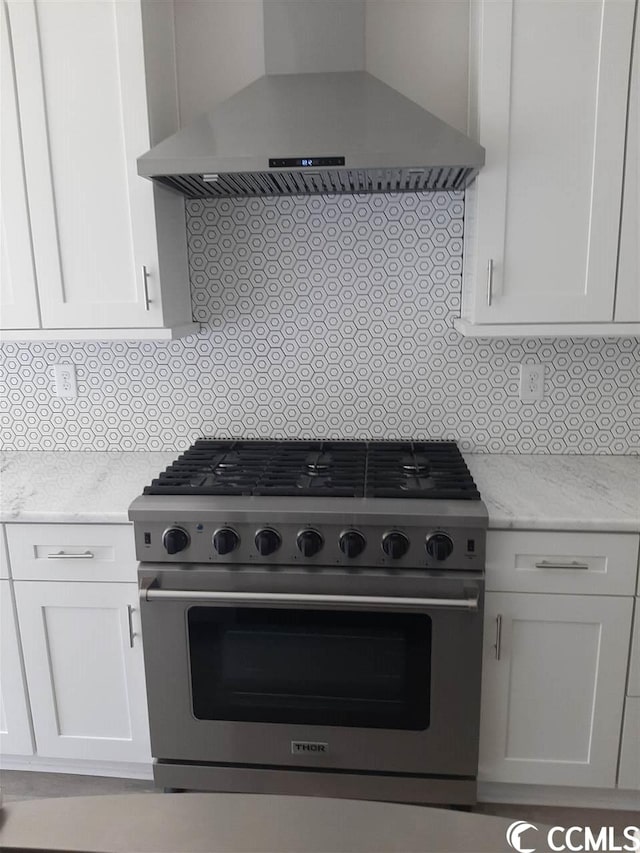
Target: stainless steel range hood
{"x":303,"y":134}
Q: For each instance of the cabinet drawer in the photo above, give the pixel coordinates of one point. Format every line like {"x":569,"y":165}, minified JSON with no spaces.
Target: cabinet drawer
{"x":629,"y":772}
{"x":572,"y":563}
{"x":634,"y":664}
{"x":4,"y":559}
{"x":72,"y":552}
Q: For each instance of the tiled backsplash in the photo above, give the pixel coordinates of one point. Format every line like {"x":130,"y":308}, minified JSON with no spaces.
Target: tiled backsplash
{"x":326,"y":317}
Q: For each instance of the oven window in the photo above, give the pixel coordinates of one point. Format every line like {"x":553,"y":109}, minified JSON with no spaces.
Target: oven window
{"x":318,"y":667}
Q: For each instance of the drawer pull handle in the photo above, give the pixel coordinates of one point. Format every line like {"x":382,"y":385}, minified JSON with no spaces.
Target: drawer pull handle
{"x":498,"y":643}
{"x":62,"y":555}
{"x":553,"y":564}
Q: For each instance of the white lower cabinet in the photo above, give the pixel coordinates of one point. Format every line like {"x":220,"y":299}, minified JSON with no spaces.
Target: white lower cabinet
{"x":553,"y":688}
{"x":15,"y":724}
{"x":84,"y":669}
{"x":629,"y":772}
{"x":633,"y":687}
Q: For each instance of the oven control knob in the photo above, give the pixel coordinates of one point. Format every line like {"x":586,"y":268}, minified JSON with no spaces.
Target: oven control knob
{"x":267,"y":541}
{"x":439,"y":546}
{"x":352,"y":543}
{"x":225,"y":541}
{"x":395,"y":545}
{"x":309,"y":542}
{"x":175,"y":539}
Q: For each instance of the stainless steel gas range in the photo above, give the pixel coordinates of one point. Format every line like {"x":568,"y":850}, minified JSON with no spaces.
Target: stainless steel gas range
{"x":312,"y":619}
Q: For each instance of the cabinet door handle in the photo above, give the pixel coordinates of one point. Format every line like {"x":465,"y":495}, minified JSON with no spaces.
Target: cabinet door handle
{"x":490,"y":281}
{"x":130,"y":621}
{"x":145,"y":284}
{"x":553,"y":564}
{"x":498,"y":643}
{"x":62,"y":555}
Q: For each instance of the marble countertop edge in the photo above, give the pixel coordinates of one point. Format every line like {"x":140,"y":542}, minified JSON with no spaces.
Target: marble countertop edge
{"x":566,"y":525}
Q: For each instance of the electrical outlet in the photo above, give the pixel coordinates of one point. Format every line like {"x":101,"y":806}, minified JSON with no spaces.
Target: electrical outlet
{"x":65,"y":379}
{"x":531,"y":382}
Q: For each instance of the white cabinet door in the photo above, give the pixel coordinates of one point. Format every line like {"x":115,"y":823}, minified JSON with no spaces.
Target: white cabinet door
{"x":628,"y":289}
{"x":83,"y":106}
{"x":553,"y":689}
{"x":549,"y":103}
{"x":18,"y":300}
{"x":15,"y":722}
{"x":84,"y":667}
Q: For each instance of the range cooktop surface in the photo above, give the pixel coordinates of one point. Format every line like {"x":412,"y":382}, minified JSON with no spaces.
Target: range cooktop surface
{"x":426,"y":470}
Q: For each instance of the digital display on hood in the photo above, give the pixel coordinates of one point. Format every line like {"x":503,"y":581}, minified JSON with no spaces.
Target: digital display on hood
{"x":302,"y":162}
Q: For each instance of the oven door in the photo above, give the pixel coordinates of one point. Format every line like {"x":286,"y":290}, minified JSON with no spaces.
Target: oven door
{"x":315,"y":679}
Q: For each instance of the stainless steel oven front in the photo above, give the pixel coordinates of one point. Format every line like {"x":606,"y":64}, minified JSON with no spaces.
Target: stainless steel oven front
{"x":367,"y":675}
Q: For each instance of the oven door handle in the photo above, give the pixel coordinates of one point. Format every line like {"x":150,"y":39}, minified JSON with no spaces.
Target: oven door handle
{"x":284,"y":599}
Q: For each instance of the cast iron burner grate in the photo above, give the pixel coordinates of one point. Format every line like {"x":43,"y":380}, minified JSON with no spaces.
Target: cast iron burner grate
{"x":431,"y":470}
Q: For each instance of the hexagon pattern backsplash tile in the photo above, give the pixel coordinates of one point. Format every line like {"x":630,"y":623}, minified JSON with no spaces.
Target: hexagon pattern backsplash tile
{"x":326,"y":317}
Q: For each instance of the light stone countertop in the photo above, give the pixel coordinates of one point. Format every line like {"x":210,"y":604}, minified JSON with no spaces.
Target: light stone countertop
{"x":94,"y":487}
{"x":526,"y":492}
{"x":541,"y":492}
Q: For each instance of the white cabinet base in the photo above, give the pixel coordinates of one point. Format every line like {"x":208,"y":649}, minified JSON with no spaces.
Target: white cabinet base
{"x":629,"y":772}
{"x":153,"y":334}
{"x":558,"y":795}
{"x":545,"y":330}
{"x":112,"y":769}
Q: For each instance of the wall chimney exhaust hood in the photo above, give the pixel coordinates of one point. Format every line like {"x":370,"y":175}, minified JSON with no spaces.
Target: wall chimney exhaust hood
{"x":303,"y":134}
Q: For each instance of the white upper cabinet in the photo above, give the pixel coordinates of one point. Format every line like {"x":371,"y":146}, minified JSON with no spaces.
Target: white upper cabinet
{"x":109,"y":248}
{"x":549,"y":94}
{"x":17,"y":275}
{"x":628,"y":289}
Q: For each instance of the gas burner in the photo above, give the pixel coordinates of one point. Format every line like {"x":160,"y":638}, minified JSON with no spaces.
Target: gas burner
{"x":318,"y":463}
{"x":416,"y":463}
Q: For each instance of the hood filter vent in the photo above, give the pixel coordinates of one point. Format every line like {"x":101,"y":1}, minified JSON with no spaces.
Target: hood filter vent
{"x":324,"y":181}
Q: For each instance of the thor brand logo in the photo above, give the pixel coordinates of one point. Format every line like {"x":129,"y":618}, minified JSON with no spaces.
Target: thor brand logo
{"x":307,"y":746}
